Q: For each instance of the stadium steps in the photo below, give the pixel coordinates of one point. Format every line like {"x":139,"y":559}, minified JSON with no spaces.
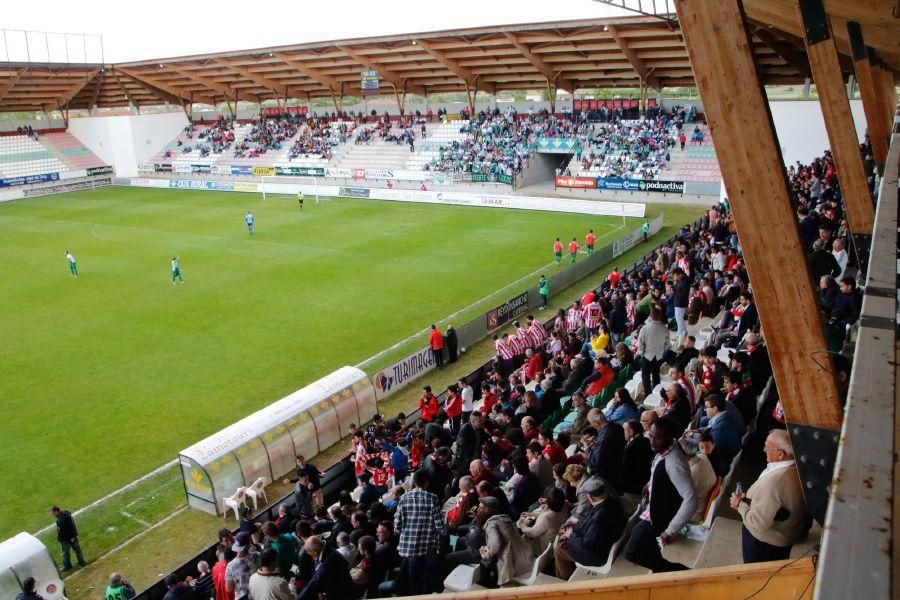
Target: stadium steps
{"x":69,"y":150}
{"x":373,"y":156}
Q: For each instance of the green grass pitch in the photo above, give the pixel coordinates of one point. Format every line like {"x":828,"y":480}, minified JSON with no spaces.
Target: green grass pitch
{"x":108,"y":376}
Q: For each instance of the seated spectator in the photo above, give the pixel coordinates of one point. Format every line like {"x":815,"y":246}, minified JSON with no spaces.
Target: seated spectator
{"x":268,"y":583}
{"x":331,"y":576}
{"x":526,"y":490}
{"x":703,"y":476}
{"x":773,"y":510}
{"x":580,"y":410}
{"x":346,"y":549}
{"x":361,"y":526}
{"x":552,"y":449}
{"x":590,"y":539}
{"x":636,"y":458}
{"x":671,"y":502}
{"x":542,"y":525}
{"x":369,"y":493}
{"x":605,"y":456}
{"x":622,"y":408}
{"x":539,"y":464}
{"x":504,"y":548}
{"x":740,"y":396}
{"x":371,"y":569}
{"x":722,"y":427}
{"x":465,"y":502}
{"x":648,"y":418}
{"x":677,"y":409}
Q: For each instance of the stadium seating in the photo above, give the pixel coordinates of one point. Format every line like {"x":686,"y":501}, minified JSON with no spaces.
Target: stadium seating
{"x":21,"y":155}
{"x":257,"y":489}
{"x":234,"y":502}
{"x":70,"y":150}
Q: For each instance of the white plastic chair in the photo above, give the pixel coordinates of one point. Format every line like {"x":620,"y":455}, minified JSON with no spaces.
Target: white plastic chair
{"x":536,"y":577}
{"x":256,"y":489}
{"x":234,"y":502}
{"x":463,"y":579}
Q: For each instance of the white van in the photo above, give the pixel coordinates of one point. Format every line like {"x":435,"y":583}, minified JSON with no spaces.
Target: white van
{"x":24,"y":556}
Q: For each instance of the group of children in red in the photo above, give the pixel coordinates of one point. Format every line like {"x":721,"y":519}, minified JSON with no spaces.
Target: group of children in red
{"x":589,"y":240}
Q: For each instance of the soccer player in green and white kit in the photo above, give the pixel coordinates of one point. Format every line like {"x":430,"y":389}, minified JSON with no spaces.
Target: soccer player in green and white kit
{"x":248,"y":219}
{"x":176,"y":272}
{"x":73,"y":267}
{"x":300,"y":200}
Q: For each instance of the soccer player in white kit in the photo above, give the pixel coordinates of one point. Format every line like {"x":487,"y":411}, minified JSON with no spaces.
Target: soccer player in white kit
{"x":176,"y":272}
{"x":73,"y":267}
{"x":249,"y":221}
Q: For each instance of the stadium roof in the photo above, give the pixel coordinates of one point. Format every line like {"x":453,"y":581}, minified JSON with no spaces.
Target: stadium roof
{"x":570,"y":55}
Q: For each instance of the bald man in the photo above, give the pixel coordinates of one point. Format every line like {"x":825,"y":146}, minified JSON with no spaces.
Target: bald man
{"x":773,"y":509}
{"x":648,"y":418}
{"x":331,"y":576}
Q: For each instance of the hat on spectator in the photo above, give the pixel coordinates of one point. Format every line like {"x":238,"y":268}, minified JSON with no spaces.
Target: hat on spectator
{"x":490,"y":502}
{"x":241,"y":541}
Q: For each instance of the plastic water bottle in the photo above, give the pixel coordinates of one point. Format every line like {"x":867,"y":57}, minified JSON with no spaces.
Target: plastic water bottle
{"x":739,"y":489}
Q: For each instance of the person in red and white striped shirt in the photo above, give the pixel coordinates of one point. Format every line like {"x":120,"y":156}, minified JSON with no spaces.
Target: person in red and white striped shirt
{"x":573,"y":317}
{"x":560,"y":324}
{"x":592,"y":315}
{"x":504,"y":352}
{"x":522,"y":336}
{"x":682,"y":262}
{"x":518,"y":349}
{"x":536,"y":332}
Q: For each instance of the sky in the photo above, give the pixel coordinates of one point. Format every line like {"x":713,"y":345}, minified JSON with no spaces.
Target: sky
{"x":145,"y":30}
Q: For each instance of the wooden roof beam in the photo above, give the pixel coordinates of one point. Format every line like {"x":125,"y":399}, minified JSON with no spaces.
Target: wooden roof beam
{"x":553,"y":76}
{"x":72,"y":91}
{"x":636,"y":63}
{"x":399,"y":82}
{"x":12,"y":83}
{"x":333,"y":85}
{"x":153,"y":84}
{"x":785,"y":50}
{"x":208,"y":82}
{"x":277,"y":88}
{"x":450,"y":64}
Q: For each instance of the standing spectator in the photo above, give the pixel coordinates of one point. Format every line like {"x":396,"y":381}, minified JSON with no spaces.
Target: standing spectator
{"x":238,"y":571}
{"x":653,"y":341}
{"x":67,"y":535}
{"x":436,"y":341}
{"x":773,"y":509}
{"x":268,"y":583}
{"x":543,"y":291}
{"x":671,"y":502}
{"x":428,"y":405}
{"x":421,"y":525}
{"x":120,"y":589}
{"x":203,"y":584}
{"x":606,"y":455}
{"x":452,"y":343}
{"x":218,"y":576}
{"x":680,"y":299}
{"x":282,"y":543}
{"x":468,"y":395}
{"x":178,"y":589}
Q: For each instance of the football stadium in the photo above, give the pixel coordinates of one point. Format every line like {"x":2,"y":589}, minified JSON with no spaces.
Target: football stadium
{"x":594,"y":300}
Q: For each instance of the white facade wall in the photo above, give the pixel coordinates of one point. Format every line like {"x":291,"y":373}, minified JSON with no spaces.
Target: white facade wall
{"x":124,"y":141}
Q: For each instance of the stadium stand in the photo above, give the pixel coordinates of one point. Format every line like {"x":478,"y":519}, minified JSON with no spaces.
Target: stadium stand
{"x":53,"y":152}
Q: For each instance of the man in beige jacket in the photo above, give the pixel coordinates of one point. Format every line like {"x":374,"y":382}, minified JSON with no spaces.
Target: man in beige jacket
{"x":773,"y":509}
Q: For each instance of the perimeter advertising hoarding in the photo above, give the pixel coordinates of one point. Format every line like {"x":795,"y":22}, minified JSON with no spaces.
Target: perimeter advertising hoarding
{"x":300,"y":171}
{"x":354,"y":192}
{"x":264,"y":171}
{"x":66,"y":187}
{"x":29,"y":179}
{"x":512,"y":308}
{"x":393,"y":377}
{"x":567,"y":181}
{"x":104,"y":170}
{"x":640,"y":185}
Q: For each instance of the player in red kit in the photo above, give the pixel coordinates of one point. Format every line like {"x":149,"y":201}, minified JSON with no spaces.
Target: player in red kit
{"x":589,"y":242}
{"x":573,"y":250}
{"x":557,"y":250}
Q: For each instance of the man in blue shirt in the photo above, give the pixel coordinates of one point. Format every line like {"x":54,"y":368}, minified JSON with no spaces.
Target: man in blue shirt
{"x":722,"y":427}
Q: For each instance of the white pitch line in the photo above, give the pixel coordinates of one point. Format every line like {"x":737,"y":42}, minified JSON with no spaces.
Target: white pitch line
{"x":112,"y":495}
{"x":141,"y":534}
{"x":462,"y":310}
